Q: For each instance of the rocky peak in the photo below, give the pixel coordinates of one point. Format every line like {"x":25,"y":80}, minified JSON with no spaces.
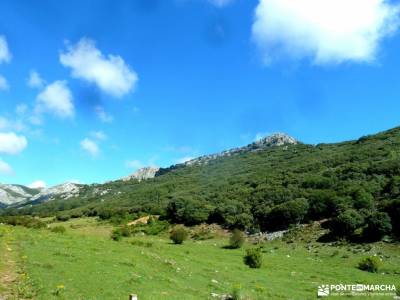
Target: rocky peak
{"x":276,"y":139}
{"x":66,"y":190}
{"x":143,"y":174}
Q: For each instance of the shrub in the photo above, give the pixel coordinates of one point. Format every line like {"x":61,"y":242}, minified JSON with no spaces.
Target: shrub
{"x":116,"y":234}
{"x":370,"y":264}
{"x":178,"y":234}
{"x":63,"y":218}
{"x":237,"y":239}
{"x":125,"y":231}
{"x":346,"y":223}
{"x":253,"y":258}
{"x":58,"y":229}
{"x":25,"y":221}
{"x":202,"y":232}
{"x":378,"y":224}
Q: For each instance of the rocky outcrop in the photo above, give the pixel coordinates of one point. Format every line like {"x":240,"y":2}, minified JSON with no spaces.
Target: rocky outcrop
{"x":11,"y":194}
{"x":142,"y":174}
{"x":64,"y":191}
{"x":274,"y":140}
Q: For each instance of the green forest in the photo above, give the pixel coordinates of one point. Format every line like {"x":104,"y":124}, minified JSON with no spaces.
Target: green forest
{"x":353,"y":186}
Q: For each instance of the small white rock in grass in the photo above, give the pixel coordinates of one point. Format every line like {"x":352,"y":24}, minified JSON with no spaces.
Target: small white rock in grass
{"x":214,"y":281}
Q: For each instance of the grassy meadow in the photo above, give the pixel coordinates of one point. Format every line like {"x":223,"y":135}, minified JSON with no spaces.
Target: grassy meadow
{"x":84,"y":263}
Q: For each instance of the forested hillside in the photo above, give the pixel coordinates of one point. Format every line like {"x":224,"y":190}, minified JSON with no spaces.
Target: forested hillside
{"x":356,"y":183}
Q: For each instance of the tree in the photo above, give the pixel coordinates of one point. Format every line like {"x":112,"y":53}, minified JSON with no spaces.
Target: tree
{"x":378,"y":224}
{"x":393,"y":210}
{"x":363,"y":199}
{"x":283,"y":215}
{"x":346,"y":223}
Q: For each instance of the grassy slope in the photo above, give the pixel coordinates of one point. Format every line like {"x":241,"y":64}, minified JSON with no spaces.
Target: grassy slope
{"x":91,"y":266}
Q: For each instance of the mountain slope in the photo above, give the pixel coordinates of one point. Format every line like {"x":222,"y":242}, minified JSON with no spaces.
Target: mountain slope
{"x":12,"y":194}
{"x":247,"y":188}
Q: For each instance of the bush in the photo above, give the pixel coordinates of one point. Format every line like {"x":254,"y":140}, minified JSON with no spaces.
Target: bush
{"x":116,"y":234}
{"x":370,"y":264}
{"x":253,"y":258}
{"x":237,"y":239}
{"x":125,"y":231}
{"x":63,"y":218}
{"x":25,"y":221}
{"x":346,"y":223}
{"x":378,"y":224}
{"x":58,"y":229}
{"x":202,"y":232}
{"x":178,"y":234}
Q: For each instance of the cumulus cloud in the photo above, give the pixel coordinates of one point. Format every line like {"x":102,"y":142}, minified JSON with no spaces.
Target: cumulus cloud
{"x":103,"y":115}
{"x":38,"y":184}
{"x":10,"y":143}
{"x":327,"y":32}
{"x":3,"y":84}
{"x":220,"y":3}
{"x":35,"y":80}
{"x":5,"y":168}
{"x":5,"y":54}
{"x":110,"y":73}
{"x":90,"y":147}
{"x":56,"y":98}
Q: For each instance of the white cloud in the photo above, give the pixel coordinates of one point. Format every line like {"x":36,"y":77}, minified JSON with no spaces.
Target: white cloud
{"x":327,"y":32}
{"x":103,"y":115}
{"x":220,"y":3}
{"x":10,"y":143}
{"x":38,"y":184}
{"x":56,"y":98}
{"x":111,"y":74}
{"x":3,"y":84}
{"x":5,"y":168}
{"x":5,"y":54}
{"x":99,"y":135}
{"x":184,"y":159}
{"x":134,"y":164}
{"x":90,"y":147}
{"x":34,"y":80}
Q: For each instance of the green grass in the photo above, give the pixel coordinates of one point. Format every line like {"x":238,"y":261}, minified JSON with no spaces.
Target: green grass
{"x":84,"y":263}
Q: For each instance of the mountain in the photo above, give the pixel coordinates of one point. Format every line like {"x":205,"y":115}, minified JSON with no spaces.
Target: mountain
{"x":277,"y":139}
{"x":142,"y":174}
{"x":19,"y":195}
{"x":269,"y":184}
{"x":64,"y":191}
{"x":12,"y":194}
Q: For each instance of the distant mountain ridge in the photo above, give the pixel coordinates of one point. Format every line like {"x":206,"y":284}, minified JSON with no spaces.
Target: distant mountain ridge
{"x":11,"y":194}
{"x":276,"y":139}
{"x":17,"y":195}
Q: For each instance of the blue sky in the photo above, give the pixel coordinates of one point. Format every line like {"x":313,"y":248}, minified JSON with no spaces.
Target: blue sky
{"x":92,"y":90}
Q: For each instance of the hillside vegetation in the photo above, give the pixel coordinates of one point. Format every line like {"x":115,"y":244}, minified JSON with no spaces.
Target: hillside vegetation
{"x":356,"y":184}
